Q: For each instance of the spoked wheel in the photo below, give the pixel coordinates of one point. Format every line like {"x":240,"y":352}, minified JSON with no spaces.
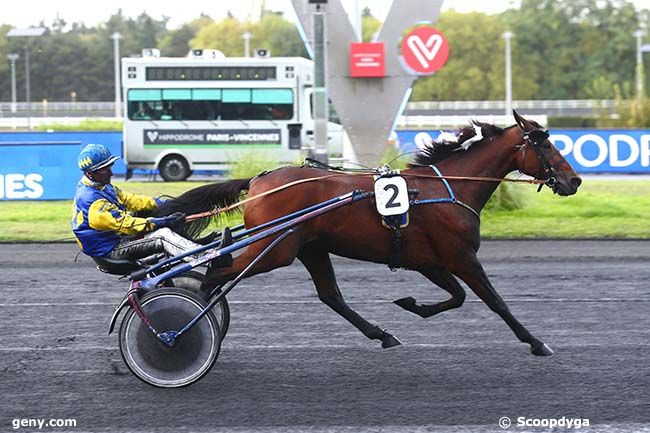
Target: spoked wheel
{"x":194,"y":353}
{"x":191,"y":281}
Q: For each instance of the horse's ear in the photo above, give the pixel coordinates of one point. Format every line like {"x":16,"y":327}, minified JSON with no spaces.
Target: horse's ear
{"x":524,"y":124}
{"x":520,"y":120}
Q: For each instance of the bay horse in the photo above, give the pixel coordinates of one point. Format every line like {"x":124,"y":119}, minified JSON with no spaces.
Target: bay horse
{"x":441,"y":241}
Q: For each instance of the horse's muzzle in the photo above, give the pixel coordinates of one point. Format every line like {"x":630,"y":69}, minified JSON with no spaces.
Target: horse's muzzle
{"x":565,"y":187}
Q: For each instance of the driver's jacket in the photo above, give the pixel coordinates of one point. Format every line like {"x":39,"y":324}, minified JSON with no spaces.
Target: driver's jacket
{"x":101,"y":214}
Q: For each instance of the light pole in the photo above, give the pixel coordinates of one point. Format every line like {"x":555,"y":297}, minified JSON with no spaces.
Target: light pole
{"x":27,"y":33}
{"x":12,"y":58}
{"x":356,"y":21}
{"x":246,"y":36}
{"x":508,"y":36}
{"x":321,"y":114}
{"x":639,"y":64}
{"x":116,"y":67}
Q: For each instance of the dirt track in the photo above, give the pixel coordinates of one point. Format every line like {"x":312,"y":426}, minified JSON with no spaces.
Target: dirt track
{"x":291,"y":364}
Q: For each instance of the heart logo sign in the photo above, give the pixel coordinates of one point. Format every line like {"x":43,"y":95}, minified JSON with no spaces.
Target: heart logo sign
{"x":152,"y":135}
{"x":425,"y":50}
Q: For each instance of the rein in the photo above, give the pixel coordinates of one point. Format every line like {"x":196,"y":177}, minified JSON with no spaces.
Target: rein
{"x":255,"y":197}
{"x":311,"y":179}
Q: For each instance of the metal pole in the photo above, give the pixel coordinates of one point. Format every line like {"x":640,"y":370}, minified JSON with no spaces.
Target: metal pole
{"x":357,"y":21}
{"x":116,"y":67}
{"x":639,"y":64}
{"x":508,"y":111}
{"x":246,"y":36}
{"x":28,"y":89}
{"x":321,"y":115}
{"x":12,"y":58}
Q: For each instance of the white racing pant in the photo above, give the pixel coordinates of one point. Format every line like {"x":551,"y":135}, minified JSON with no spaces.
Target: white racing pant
{"x":163,"y":240}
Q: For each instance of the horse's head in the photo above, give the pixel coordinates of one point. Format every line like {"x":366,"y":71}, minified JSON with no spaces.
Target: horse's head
{"x":539,"y":158}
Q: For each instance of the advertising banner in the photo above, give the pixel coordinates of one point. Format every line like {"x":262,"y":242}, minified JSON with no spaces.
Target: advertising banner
{"x":210,"y":137}
{"x":587,"y":150}
{"x":38,"y":171}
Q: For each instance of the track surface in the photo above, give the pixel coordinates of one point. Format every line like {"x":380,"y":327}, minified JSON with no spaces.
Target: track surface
{"x":290,"y":364}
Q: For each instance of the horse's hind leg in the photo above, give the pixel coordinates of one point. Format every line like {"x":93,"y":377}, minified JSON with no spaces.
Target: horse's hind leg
{"x":319,"y":266}
{"x":474,"y":275}
{"x":446,"y":281}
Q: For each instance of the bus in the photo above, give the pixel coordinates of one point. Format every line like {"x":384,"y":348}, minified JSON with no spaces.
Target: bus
{"x":206,"y":111}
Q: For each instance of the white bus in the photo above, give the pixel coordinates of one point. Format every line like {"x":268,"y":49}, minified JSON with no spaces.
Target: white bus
{"x":205,"y":111}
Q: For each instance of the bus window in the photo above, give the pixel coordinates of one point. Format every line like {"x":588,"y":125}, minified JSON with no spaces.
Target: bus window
{"x":141,"y":103}
{"x":210,"y":104}
{"x":274,"y":104}
{"x":332,"y":115}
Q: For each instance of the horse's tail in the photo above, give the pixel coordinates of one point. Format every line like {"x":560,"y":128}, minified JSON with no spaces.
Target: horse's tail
{"x":202,"y":199}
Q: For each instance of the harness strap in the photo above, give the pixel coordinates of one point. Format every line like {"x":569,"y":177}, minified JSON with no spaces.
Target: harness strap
{"x":452,"y":197}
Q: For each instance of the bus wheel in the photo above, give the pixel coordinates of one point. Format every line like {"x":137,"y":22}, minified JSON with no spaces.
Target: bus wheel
{"x":174,"y":168}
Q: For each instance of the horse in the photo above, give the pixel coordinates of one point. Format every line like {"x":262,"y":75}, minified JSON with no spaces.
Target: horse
{"x":441,"y":240}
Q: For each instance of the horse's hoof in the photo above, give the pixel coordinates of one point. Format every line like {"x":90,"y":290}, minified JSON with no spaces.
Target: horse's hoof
{"x":406,"y":303}
{"x":541,"y":350}
{"x":388,"y":340}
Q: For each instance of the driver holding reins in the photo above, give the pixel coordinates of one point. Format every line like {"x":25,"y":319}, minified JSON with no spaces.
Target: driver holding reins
{"x":103,"y":217}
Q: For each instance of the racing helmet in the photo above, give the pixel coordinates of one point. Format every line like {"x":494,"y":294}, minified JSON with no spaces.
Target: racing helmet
{"x":94,"y":157}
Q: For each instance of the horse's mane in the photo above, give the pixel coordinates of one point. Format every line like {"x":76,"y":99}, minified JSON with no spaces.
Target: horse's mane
{"x":438,"y":151}
{"x":202,"y":199}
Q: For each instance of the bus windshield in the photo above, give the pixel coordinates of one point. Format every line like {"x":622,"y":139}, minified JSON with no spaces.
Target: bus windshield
{"x":210,"y":104}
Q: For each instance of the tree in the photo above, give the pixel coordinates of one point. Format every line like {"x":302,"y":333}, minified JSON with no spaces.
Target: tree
{"x":475,"y":69}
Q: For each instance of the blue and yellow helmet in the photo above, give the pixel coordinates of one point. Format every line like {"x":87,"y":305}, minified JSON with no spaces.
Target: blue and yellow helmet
{"x":94,"y":157}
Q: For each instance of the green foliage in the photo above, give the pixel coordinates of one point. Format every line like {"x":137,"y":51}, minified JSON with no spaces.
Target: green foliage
{"x":272,"y":32}
{"x":600,"y":209}
{"x":631,"y":112}
{"x":251,"y":163}
{"x":562,"y":49}
{"x":369,"y":26}
{"x":507,"y":197}
{"x":84,"y":125}
{"x":395,"y":159}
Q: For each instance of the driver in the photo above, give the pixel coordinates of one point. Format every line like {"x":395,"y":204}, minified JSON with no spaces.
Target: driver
{"x":103,"y":215}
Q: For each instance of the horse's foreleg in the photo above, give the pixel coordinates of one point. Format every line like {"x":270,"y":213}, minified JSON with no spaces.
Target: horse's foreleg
{"x":446,"y":281}
{"x":474,"y":275}
{"x":319,"y":266}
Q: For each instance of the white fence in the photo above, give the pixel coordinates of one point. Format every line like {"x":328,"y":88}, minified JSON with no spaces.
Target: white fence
{"x":101,"y":109}
{"x":25,"y":122}
{"x":594,"y":104}
{"x":403,"y":122}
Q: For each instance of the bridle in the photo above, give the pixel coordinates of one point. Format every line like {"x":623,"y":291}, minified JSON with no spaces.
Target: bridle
{"x":537,"y":139}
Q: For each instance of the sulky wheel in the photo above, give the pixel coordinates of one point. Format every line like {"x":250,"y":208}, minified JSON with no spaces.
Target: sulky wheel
{"x":194,"y":353}
{"x":191,"y":281}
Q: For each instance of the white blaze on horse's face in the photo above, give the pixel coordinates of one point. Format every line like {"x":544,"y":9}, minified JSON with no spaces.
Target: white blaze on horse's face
{"x":541,"y":159}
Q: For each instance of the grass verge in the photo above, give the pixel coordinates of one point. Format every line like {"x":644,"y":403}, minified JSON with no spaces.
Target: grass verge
{"x":601,"y":209}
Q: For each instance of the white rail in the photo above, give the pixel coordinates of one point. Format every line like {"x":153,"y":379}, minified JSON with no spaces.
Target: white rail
{"x":23,"y":122}
{"x":403,"y":122}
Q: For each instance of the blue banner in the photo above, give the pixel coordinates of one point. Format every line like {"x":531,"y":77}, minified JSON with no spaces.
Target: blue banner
{"x":587,"y":150}
{"x":43,"y":165}
{"x":38,"y":171}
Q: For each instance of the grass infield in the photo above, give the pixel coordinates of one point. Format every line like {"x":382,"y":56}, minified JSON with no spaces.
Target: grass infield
{"x":615,"y":209}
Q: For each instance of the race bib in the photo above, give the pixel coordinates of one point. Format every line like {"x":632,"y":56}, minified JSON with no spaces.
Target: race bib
{"x":391,"y":195}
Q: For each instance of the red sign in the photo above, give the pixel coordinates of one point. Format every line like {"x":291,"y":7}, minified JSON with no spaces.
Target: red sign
{"x":367,"y":59}
{"x":425,"y":50}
